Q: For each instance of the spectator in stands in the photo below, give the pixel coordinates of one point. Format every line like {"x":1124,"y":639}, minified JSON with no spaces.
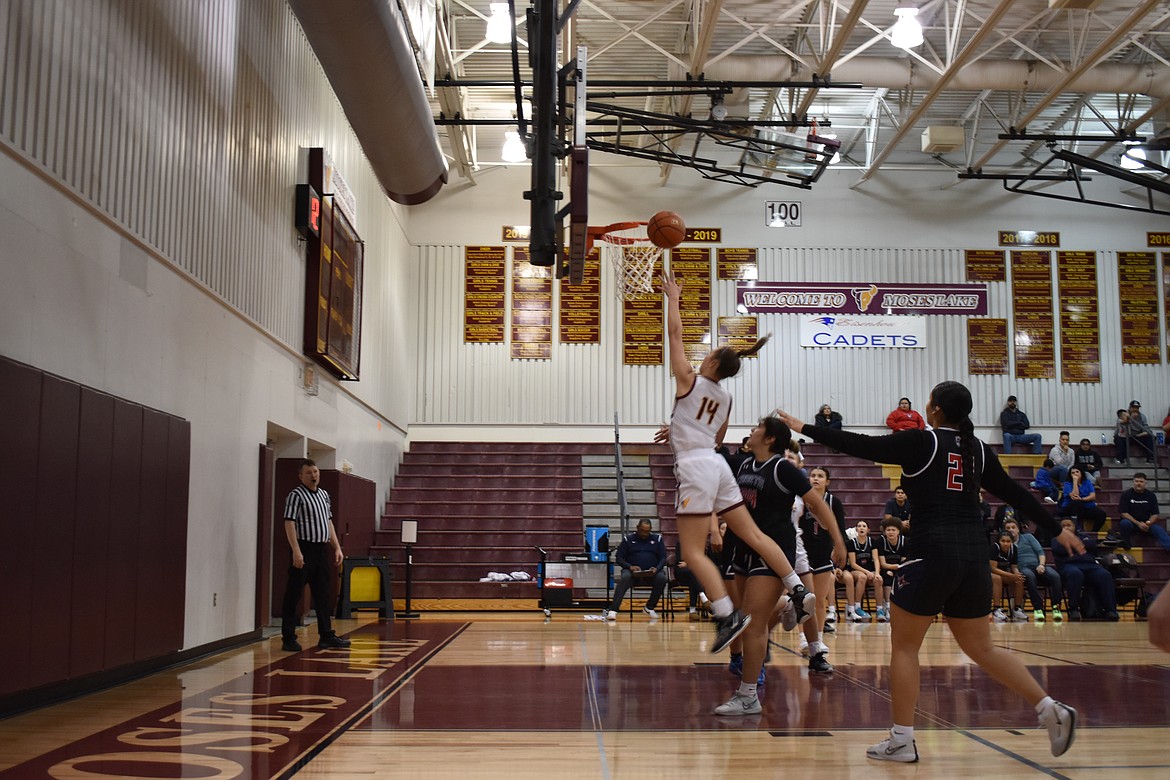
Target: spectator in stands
{"x":1166,"y":427}
{"x":1078,"y":569}
{"x":1089,"y":460}
{"x":1139,"y":512}
{"x":1015,"y":423}
{"x":1030,"y":563}
{"x":1045,"y":483}
{"x":1140,"y":434}
{"x":642,"y":557}
{"x":1080,"y":501}
{"x":898,"y":508}
{"x":860,"y":572}
{"x":827,"y":418}
{"x":1063,"y":458}
{"x":904,"y":418}
{"x":1121,"y":437}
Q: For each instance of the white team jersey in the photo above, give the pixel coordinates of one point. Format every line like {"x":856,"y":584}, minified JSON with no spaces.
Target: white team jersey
{"x":698,"y":416}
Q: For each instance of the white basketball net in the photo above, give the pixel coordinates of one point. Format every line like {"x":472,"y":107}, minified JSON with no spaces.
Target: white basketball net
{"x":634,"y":260}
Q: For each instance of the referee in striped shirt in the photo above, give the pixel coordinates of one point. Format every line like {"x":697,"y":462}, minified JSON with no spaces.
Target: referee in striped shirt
{"x":308,"y":524}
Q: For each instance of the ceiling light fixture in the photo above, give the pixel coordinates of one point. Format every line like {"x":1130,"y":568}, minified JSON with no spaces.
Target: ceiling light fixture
{"x":907,"y":31}
{"x":718,"y":110}
{"x":1133,"y":158}
{"x":513,"y":151}
{"x":499,"y":24}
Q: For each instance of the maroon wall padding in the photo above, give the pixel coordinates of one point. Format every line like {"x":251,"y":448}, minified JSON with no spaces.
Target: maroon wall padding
{"x":95,"y":491}
{"x":264,"y":535}
{"x":170,"y":624}
{"x":20,"y":429}
{"x":150,"y":597}
{"x":122,"y":556}
{"x":94,"y":560}
{"x":52,"y":548}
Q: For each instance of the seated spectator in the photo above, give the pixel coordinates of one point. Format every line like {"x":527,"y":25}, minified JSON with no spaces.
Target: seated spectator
{"x":827,"y":418}
{"x":1030,"y":563}
{"x":1089,"y":460}
{"x":860,"y":572}
{"x":1078,"y":570}
{"x":891,"y":554}
{"x":1063,"y":458}
{"x":1121,"y":437}
{"x":898,"y":507}
{"x":1014,"y":423}
{"x":1141,"y":437}
{"x":904,"y":418}
{"x":641,"y":556}
{"x":1166,"y":427}
{"x":1080,"y":501}
{"x":1005,"y":573}
{"x":1139,"y":512}
{"x":1046,"y":483}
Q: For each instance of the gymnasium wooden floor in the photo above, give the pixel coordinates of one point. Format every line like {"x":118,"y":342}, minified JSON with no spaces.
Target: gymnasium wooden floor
{"x":512,"y":695}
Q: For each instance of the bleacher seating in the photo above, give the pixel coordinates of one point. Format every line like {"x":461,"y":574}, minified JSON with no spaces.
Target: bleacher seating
{"x":483,"y":508}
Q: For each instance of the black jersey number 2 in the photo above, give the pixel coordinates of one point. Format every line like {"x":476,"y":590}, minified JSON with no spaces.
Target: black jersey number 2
{"x":954,"y":471}
{"x":709,"y":408}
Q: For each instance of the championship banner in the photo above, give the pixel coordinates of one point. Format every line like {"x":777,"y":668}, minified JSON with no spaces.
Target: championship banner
{"x":860,"y":298}
{"x":864,"y":332}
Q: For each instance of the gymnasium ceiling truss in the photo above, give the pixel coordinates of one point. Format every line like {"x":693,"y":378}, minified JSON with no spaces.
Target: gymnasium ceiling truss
{"x":1097,"y":71}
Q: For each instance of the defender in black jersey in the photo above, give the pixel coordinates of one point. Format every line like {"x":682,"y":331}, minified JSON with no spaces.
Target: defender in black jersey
{"x":948,"y":570}
{"x":770,"y":485}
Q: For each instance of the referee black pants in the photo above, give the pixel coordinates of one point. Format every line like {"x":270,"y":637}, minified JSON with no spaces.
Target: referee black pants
{"x":318,"y":573}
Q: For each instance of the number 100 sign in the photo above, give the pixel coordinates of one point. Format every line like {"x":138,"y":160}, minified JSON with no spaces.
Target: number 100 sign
{"x":782,"y":213}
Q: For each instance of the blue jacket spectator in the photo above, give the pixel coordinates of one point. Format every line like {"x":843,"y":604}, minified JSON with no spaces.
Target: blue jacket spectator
{"x":1046,"y":483}
{"x":641,"y":556}
{"x":1080,"y":501}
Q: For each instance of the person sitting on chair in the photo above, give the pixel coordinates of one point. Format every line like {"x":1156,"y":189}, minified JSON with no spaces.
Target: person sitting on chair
{"x":642,"y":558}
{"x":1030,"y":561}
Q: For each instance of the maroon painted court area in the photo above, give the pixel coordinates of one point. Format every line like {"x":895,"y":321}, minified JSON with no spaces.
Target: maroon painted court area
{"x":656,"y":698}
{"x":264,"y":724}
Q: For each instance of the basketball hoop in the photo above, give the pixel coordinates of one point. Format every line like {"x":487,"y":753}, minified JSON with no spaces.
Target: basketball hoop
{"x":631,"y":254}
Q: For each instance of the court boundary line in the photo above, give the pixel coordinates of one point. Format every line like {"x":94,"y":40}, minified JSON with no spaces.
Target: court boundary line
{"x":594,"y":706}
{"x":366,"y":709}
{"x":1015,"y":756}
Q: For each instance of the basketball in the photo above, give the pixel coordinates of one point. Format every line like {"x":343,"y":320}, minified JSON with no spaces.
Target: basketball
{"x":666,"y":229}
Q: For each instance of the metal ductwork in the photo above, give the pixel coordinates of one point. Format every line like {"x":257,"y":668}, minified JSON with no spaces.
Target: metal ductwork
{"x":891,"y":73}
{"x":365,"y":51}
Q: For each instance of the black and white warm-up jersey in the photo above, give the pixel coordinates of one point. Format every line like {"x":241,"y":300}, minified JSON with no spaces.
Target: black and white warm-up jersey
{"x":947,"y":519}
{"x":818,"y":543}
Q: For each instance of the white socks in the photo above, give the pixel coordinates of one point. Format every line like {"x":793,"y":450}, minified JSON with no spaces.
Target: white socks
{"x":722,"y":607}
{"x":1044,"y":704}
{"x":902,"y":734}
{"x":747,"y":690}
{"x":791,"y":581}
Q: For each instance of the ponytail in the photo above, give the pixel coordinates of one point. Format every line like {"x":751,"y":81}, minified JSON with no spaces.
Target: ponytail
{"x":754,"y":348}
{"x":967,"y":446}
{"x":727,"y":358}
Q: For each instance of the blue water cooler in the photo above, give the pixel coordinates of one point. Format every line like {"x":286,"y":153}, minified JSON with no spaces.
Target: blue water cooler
{"x":597,"y":542}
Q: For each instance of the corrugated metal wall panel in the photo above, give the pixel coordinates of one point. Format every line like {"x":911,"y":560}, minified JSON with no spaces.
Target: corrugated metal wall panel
{"x":184,"y":123}
{"x":583,"y":385}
